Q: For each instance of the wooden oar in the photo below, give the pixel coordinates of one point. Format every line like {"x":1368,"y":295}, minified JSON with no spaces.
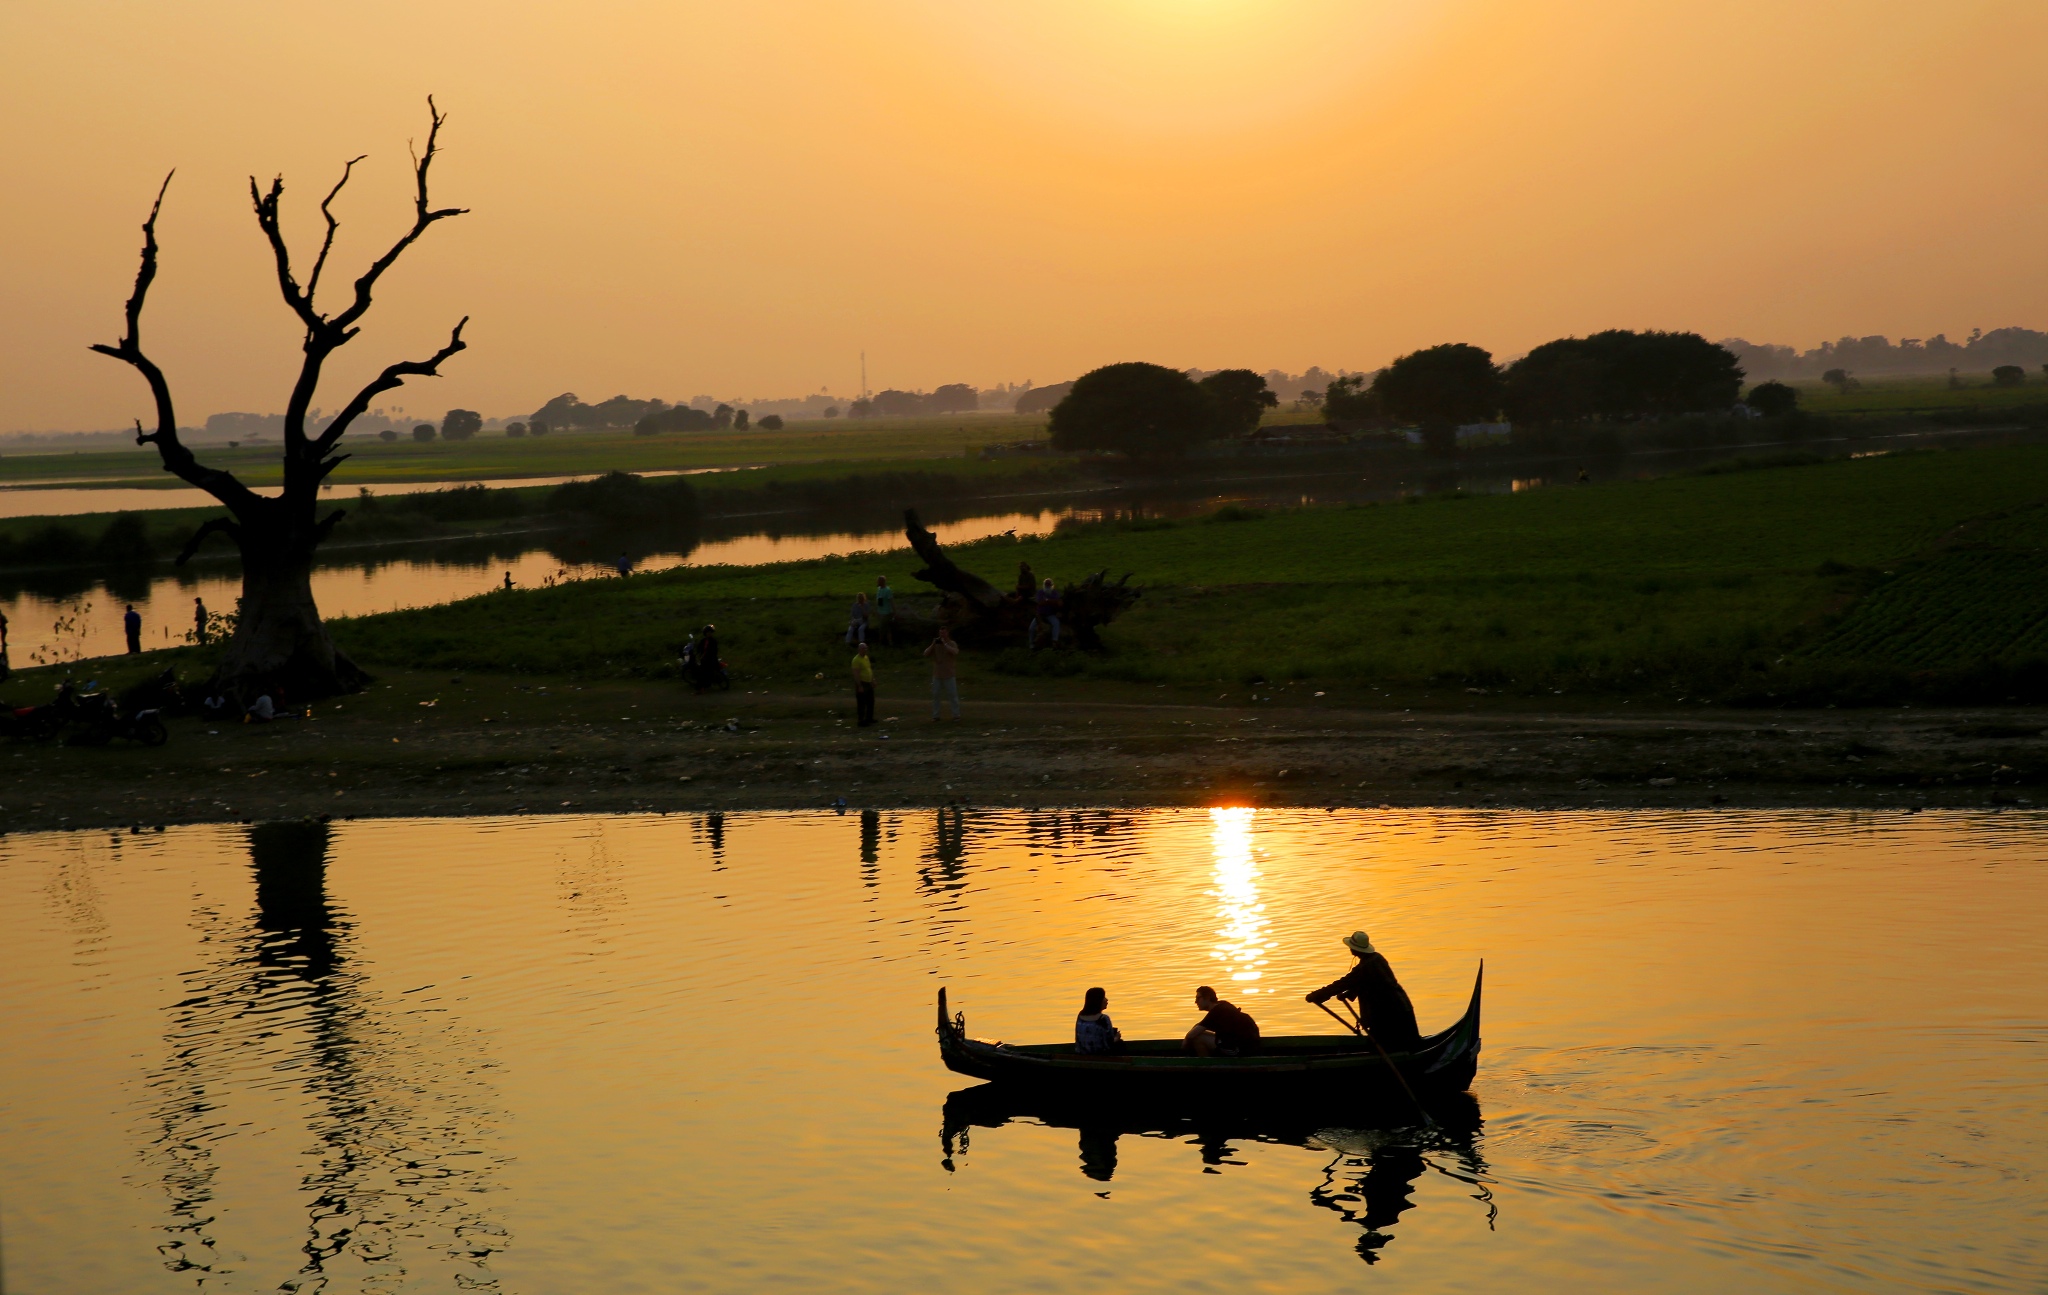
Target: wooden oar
{"x":1377,"y":1047}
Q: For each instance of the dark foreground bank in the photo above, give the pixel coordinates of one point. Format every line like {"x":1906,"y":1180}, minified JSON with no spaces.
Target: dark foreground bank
{"x":422,"y":743}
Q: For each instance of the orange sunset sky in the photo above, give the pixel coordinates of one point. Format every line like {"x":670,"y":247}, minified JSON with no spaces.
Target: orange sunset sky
{"x":673,"y":198}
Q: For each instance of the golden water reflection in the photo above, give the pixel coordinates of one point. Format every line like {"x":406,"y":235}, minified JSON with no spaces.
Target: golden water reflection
{"x":1722,"y":1050}
{"x":1241,"y":934}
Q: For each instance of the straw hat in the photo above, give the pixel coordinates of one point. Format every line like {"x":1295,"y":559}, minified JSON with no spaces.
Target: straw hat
{"x":1358,"y":942}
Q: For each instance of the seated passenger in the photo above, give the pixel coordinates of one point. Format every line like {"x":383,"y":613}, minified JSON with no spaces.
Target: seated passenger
{"x":1093,"y":1033}
{"x":1223,"y":1031}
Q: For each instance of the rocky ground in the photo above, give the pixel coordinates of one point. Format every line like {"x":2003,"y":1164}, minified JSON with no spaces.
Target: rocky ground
{"x":424,"y":744}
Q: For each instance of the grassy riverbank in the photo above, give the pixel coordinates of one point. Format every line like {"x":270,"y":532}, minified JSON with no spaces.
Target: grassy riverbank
{"x":1872,"y":580}
{"x":1551,"y":647}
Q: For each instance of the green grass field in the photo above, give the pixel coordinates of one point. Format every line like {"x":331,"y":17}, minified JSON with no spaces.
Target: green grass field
{"x":1851,"y":580}
{"x":1924,"y":397}
{"x":563,"y":454}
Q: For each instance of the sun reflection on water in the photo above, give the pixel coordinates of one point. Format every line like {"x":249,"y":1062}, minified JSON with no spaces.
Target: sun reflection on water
{"x":1242,"y":937}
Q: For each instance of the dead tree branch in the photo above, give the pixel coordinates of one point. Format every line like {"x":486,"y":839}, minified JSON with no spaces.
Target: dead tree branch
{"x":173,"y":453}
{"x":212,"y":525}
{"x":393,"y":376}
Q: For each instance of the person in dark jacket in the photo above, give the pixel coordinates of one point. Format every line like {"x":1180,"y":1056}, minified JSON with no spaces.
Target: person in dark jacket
{"x":1225,"y":1030}
{"x":1381,"y":1001}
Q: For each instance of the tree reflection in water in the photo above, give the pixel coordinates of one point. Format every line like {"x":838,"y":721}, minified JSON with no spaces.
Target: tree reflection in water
{"x":1369,"y":1181}
{"x":393,"y":1095}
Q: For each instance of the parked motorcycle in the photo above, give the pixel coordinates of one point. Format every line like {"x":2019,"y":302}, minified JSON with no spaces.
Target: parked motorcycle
{"x":40,"y":723}
{"x":100,"y":720}
{"x":702,"y":670}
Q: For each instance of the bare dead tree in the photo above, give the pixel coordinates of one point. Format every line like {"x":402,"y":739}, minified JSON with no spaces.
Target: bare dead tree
{"x":981,"y":615}
{"x":280,"y":638}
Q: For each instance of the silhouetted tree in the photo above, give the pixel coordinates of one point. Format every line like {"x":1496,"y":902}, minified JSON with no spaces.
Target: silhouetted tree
{"x":722,"y":416}
{"x":1348,"y":400}
{"x":1036,"y":400}
{"x":773,"y":422}
{"x":678,"y":418}
{"x":279,"y":636}
{"x":739,"y":420}
{"x":1439,"y":389}
{"x":2008,"y":375}
{"x":388,"y":434}
{"x":953,"y":398}
{"x":1134,"y":408}
{"x":515,"y":430}
{"x":1772,"y":399}
{"x":461,"y":424}
{"x":423,"y":431}
{"x":1842,"y":380}
{"x":1620,"y":374}
{"x":1241,"y":398}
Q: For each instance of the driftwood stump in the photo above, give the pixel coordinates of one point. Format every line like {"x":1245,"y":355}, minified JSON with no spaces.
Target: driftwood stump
{"x":981,"y":615}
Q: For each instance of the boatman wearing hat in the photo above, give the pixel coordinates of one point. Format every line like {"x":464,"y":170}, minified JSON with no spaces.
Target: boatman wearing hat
{"x":1381,"y":1001}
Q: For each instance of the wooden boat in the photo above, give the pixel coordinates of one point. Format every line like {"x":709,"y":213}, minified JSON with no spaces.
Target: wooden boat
{"x":1319,"y":1064}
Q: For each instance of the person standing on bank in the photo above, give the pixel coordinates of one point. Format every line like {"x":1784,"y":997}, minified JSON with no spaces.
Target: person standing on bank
{"x":863,"y":687}
{"x":885,"y":610}
{"x":199,"y":621}
{"x":857,"y":620}
{"x":1382,"y":1003}
{"x":945,"y":655}
{"x":1046,"y":613}
{"x":132,"y":622}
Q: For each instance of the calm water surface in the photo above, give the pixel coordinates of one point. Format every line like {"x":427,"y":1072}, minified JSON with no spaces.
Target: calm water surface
{"x":44,"y":630}
{"x":1784,"y":1052}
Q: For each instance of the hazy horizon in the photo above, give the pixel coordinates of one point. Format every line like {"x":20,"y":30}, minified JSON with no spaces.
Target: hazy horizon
{"x":680,"y":198}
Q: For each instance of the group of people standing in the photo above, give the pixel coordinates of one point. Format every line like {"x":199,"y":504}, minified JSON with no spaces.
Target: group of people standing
{"x":944,"y":654}
{"x":942,"y":651}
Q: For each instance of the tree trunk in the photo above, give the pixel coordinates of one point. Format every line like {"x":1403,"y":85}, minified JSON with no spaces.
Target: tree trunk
{"x":280,"y":640}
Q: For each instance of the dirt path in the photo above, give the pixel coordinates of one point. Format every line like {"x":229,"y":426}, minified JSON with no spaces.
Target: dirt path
{"x":420,"y":744}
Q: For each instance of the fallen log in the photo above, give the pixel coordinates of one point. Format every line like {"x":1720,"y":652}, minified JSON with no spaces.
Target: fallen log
{"x":981,"y":615}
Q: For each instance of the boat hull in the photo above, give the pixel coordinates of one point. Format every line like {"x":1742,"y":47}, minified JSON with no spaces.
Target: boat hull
{"x":1321,"y":1066}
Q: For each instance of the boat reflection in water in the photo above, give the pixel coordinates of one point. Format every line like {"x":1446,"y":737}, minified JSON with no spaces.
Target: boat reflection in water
{"x":1368,"y":1180}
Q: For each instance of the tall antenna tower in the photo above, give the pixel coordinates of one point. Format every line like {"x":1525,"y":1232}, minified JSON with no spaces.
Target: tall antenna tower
{"x":863,"y":375}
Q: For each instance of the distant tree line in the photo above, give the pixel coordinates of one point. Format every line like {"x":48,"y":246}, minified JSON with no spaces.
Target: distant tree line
{"x":1614,"y":376}
{"x":2022,"y":348}
{"x":953,"y":398}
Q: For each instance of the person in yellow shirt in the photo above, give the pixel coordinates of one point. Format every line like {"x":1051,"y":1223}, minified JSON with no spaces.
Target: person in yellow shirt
{"x":863,"y":686}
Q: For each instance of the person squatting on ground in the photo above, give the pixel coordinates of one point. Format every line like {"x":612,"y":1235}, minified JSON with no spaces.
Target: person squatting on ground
{"x":857,"y":620}
{"x":1093,"y":1032}
{"x":1223,"y":1031}
{"x":945,"y":655}
{"x":885,"y":610}
{"x":1045,"y":612}
{"x":863,"y":687}
{"x":1382,"y":1004}
{"x":131,"y":621}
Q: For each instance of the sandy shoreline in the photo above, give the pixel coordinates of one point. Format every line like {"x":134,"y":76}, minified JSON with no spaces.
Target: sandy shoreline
{"x":420,"y":744}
